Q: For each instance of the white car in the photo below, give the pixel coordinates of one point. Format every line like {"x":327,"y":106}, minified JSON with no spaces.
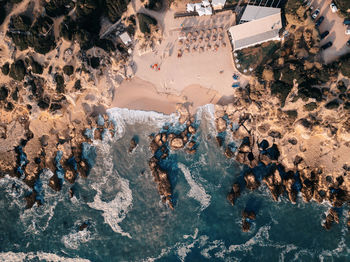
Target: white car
{"x":333,"y":8}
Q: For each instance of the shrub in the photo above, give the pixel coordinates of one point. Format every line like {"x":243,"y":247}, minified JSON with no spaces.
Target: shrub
{"x":115,"y":9}
{"x":292,"y":114}
{"x":36,"y":67}
{"x":94,"y":62}
{"x":55,"y":8}
{"x":77,"y":85}
{"x":310,"y":106}
{"x":4,"y":92}
{"x":145,"y":21}
{"x":155,"y":5}
{"x":334,"y":104}
{"x":68,"y":70}
{"x":5,"y":69}
{"x":281,"y":90}
{"x":18,"y":70}
{"x":59,"y":83}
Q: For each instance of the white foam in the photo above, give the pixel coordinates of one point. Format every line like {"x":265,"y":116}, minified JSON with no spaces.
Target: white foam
{"x":37,"y":218}
{"x":42,"y":256}
{"x":208,"y":112}
{"x":123,"y":116}
{"x":75,"y":238}
{"x":197,"y":191}
{"x":114,"y":211}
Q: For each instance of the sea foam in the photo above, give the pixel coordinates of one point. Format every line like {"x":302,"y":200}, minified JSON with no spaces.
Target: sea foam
{"x":37,"y":256}
{"x":114,"y":211}
{"x":196,"y":191}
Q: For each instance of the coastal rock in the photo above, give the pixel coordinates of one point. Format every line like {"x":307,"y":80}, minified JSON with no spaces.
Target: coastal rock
{"x":177,"y":143}
{"x":133,"y":144}
{"x":251,"y":182}
{"x":247,"y":218}
{"x":158,"y":140}
{"x":330,"y":219}
{"x":191,"y":130}
{"x":234,"y":194}
{"x":221,"y":125}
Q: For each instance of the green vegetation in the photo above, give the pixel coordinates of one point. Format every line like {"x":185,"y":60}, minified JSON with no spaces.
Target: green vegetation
{"x":39,"y":35}
{"x":3,"y":93}
{"x":36,"y":67}
{"x":77,"y":85}
{"x":343,"y":6}
{"x":281,"y":90}
{"x":18,"y":70}
{"x":68,"y":70}
{"x":145,"y":21}
{"x":293,"y":114}
{"x":5,"y":69}
{"x":155,"y":5}
{"x":94,"y":62}
{"x":56,"y":8}
{"x":59,"y":83}
{"x":115,"y":9}
{"x":334,"y":104}
{"x":345,"y":65}
{"x":253,"y":57}
{"x":310,"y":106}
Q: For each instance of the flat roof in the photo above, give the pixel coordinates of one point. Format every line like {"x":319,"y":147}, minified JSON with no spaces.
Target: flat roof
{"x":253,"y":12}
{"x":256,"y":31}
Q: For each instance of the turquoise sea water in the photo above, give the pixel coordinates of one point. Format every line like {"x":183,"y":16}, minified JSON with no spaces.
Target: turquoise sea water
{"x":127,"y":221}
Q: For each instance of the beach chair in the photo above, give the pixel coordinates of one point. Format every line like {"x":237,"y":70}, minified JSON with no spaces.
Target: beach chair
{"x":235,"y":85}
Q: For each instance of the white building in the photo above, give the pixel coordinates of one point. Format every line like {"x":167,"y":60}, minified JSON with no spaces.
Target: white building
{"x":218,"y":4}
{"x":258,"y":25}
{"x":125,"y":38}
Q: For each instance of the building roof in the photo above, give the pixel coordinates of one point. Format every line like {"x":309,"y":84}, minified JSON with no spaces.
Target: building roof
{"x":190,"y":7}
{"x":218,"y":3}
{"x":253,"y":12}
{"x":125,"y":38}
{"x":204,"y":11}
{"x":256,"y":31}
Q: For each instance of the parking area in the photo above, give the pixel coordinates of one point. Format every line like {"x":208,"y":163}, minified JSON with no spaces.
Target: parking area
{"x":333,"y":22}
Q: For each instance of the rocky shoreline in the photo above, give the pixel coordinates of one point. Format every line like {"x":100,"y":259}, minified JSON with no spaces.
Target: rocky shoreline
{"x":259,"y":149}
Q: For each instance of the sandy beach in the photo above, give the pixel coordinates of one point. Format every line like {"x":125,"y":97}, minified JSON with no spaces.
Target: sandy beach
{"x":192,"y":64}
{"x":138,"y":94}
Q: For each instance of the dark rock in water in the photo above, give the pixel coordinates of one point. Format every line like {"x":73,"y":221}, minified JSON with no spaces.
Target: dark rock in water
{"x":234,"y":194}
{"x":133,"y":144}
{"x":55,"y":183}
{"x":71,"y":192}
{"x":264,"y":144}
{"x":348,"y":222}
{"x":31,"y":199}
{"x":229,"y":153}
{"x":83,"y":226}
{"x":247,"y":219}
{"x":330,"y":219}
{"x":251,"y":182}
{"x":220,"y":141}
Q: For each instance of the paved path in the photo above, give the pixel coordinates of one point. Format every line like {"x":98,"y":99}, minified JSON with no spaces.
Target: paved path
{"x":334,"y":24}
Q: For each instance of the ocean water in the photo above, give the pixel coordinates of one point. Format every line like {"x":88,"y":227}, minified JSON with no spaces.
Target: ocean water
{"x":127,"y":221}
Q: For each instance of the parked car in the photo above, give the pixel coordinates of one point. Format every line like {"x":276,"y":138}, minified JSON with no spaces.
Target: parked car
{"x":346,"y":21}
{"x":333,"y":8}
{"x":348,"y":43}
{"x":316,"y":13}
{"x":324,"y":34}
{"x":319,"y":21}
{"x":325,"y":46}
{"x":347,"y":31}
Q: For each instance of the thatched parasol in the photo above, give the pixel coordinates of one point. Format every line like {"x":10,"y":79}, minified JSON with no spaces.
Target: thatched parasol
{"x":223,"y":44}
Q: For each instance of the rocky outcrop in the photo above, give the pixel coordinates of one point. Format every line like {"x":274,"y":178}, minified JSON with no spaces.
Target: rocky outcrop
{"x":247,"y":218}
{"x":234,"y":194}
{"x":160,"y":146}
{"x":331,"y":217}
